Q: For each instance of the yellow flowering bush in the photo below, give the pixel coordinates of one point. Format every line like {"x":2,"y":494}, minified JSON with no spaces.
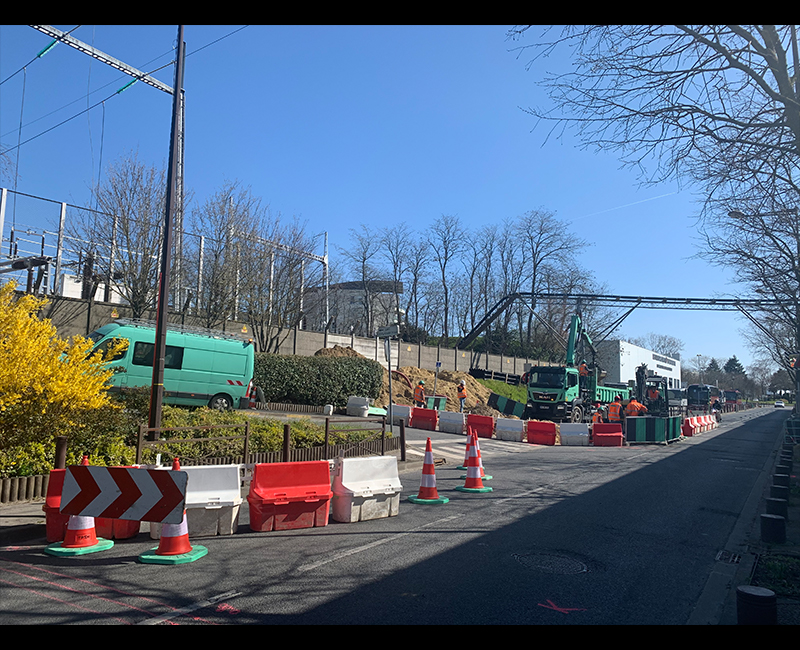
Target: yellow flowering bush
{"x":48,"y":385}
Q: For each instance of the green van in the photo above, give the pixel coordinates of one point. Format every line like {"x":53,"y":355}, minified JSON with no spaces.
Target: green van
{"x":201,"y":367}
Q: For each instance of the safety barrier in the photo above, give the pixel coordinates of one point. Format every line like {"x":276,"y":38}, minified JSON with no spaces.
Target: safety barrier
{"x":286,"y":496}
{"x":450,"y":422}
{"x":483,"y":425}
{"x":358,"y":406}
{"x":646,"y":429}
{"x":55,"y":522}
{"x":213,"y":499}
{"x":689,"y":427}
{"x":541,"y":432}
{"x":607,"y":435}
{"x":574,"y":434}
{"x":425,"y":419}
{"x":401,"y":413}
{"x":365,"y":488}
{"x":508,"y":429}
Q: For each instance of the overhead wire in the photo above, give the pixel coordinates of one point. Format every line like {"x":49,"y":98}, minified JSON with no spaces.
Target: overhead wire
{"x":113,"y":94}
{"x":39,"y":55}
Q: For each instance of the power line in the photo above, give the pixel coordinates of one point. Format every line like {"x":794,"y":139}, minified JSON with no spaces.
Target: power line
{"x":39,"y":55}
{"x":110,"y":96}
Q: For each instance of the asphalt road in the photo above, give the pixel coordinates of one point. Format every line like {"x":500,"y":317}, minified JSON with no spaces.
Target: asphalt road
{"x":569,"y":535}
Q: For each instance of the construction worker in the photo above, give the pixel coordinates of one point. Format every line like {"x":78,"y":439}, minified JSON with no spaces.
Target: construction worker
{"x":635,"y":408}
{"x":462,"y":393}
{"x":583,"y":371}
{"x":653,"y":394}
{"x":419,"y":395}
{"x":597,"y":416}
{"x":615,"y":411}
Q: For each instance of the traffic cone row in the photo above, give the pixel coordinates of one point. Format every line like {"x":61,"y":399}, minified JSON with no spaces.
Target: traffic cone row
{"x":474,"y":477}
{"x":174,"y":546}
{"x":80,"y":537}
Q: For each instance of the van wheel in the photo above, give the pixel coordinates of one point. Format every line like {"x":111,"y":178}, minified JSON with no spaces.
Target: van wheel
{"x":220,"y":402}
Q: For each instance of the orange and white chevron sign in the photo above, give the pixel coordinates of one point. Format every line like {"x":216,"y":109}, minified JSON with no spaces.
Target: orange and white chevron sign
{"x":124,"y":493}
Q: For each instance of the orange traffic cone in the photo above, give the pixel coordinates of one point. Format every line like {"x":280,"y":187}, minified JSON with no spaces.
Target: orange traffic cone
{"x":427,"y":490}
{"x":470,"y":433}
{"x":476,"y":445}
{"x":80,"y":536}
{"x":174,"y":546}
{"x":473,"y":482}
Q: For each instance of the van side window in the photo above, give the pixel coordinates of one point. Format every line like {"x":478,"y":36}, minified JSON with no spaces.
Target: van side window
{"x":143,"y":355}
{"x":104,"y":346}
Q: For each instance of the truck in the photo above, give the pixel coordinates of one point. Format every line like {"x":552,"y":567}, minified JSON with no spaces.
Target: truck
{"x":653,"y":391}
{"x":557,"y":393}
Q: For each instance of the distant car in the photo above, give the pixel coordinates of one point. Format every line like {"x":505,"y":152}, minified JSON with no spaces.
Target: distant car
{"x":779,"y":404}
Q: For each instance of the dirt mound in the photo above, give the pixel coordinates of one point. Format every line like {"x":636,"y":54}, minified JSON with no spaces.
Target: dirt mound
{"x":446,"y":384}
{"x":338,"y":351}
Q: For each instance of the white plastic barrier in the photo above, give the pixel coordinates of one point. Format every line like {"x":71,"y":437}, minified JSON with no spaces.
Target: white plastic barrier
{"x":450,"y":422}
{"x":365,"y":488}
{"x":574,"y":434}
{"x":508,"y":429}
{"x":358,"y":406}
{"x":401,"y":413}
{"x":213,"y":497}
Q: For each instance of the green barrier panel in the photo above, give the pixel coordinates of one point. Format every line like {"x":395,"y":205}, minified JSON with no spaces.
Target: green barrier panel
{"x":438,"y":403}
{"x":652,"y":430}
{"x":506,"y":406}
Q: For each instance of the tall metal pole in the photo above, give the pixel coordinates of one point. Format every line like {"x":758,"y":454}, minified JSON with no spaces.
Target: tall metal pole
{"x":157,"y":388}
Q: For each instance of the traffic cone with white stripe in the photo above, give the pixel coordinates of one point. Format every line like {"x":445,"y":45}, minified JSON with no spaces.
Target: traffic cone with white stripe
{"x":80,"y":537}
{"x":470,"y":433}
{"x":427,"y":490}
{"x":174,"y":546}
{"x":473,"y":482}
{"x":476,"y":444}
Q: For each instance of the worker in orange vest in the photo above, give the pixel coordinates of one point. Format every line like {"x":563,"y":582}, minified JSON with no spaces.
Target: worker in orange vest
{"x":462,"y":393}
{"x":419,"y":395}
{"x":597,"y":416}
{"x":583,"y":372}
{"x":635,"y":408}
{"x":615,"y":412}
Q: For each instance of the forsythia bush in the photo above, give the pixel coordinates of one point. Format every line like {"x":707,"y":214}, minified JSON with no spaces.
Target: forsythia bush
{"x":48,"y":386}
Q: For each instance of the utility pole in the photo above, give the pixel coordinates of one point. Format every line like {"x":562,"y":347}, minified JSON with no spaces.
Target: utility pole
{"x":157,"y":388}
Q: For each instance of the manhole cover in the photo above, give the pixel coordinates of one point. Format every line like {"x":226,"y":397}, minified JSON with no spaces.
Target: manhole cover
{"x":552,"y":563}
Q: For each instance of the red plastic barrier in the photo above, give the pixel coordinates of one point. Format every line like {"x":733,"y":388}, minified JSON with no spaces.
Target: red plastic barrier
{"x":426,"y":419}
{"x":55,"y":522}
{"x":607,"y":434}
{"x":483,"y":425}
{"x":116,"y":528}
{"x":688,"y":427}
{"x":285,"y":496}
{"x":541,"y":433}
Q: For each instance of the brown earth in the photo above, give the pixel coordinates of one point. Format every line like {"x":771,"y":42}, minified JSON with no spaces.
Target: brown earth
{"x":446,"y":384}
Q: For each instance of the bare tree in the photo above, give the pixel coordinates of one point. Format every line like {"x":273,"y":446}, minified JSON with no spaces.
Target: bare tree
{"x":446,"y":238}
{"x":669,"y":346}
{"x":362,"y":258}
{"x":124,"y":234}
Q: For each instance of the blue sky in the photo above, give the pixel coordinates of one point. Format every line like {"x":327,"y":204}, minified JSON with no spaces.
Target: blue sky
{"x":349,"y":125}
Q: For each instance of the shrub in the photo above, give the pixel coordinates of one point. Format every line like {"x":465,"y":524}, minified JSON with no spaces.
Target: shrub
{"x":316,"y":381}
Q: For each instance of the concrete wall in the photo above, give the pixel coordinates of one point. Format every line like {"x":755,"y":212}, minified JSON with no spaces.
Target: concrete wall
{"x":73,"y":316}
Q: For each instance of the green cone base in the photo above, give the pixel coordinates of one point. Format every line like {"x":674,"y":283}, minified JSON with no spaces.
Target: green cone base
{"x":428,"y":501}
{"x":150,"y":557}
{"x":59,"y":551}
{"x":461,"y":488}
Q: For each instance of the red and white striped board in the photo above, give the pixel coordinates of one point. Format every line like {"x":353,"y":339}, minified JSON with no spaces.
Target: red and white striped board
{"x":124,"y":493}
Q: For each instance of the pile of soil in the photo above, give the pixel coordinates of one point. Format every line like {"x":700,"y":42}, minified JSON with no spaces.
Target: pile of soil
{"x":446,"y":384}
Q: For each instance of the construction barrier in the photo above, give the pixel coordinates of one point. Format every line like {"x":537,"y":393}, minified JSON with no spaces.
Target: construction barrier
{"x":483,"y":425}
{"x":689,"y":427}
{"x":55,"y":522}
{"x":365,"y":488}
{"x":358,"y":406}
{"x":401,"y":413}
{"x":607,"y":435}
{"x":450,"y":422}
{"x":541,"y":432}
{"x":646,"y":429}
{"x":508,"y":429}
{"x":213,"y":499}
{"x":575,"y":434}
{"x":285,"y":496}
{"x":425,"y":419}
{"x":506,"y":406}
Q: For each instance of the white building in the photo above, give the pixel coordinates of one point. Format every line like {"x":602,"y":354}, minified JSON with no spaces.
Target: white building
{"x":620,"y":360}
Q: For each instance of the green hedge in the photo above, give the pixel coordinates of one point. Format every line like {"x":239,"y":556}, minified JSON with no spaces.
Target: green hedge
{"x":316,"y":381}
